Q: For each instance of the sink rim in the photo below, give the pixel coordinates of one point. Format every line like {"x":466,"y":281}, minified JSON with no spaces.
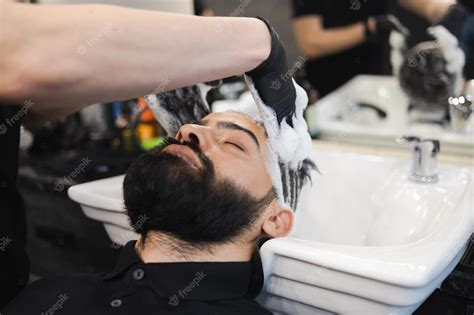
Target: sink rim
{"x":84,"y":196}
{"x":412,"y":265}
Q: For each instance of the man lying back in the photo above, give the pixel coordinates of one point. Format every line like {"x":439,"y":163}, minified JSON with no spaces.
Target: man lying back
{"x":200,"y":202}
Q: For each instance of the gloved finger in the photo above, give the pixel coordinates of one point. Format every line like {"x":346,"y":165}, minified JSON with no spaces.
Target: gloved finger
{"x":398,"y":48}
{"x":389,"y":22}
{"x":448,"y":44}
{"x":443,"y":36}
{"x":175,"y":108}
{"x":398,"y":26}
{"x":272,"y":79}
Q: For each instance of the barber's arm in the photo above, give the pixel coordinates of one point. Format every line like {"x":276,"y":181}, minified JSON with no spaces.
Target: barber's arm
{"x":175,"y":108}
{"x":452,"y":14}
{"x":316,"y":41}
{"x":64,"y":57}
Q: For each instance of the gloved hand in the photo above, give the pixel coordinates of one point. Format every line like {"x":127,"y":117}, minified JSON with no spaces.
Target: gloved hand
{"x":431,"y":71}
{"x":175,"y":108}
{"x":453,"y":20}
{"x":273,"y":81}
{"x":379,"y":27}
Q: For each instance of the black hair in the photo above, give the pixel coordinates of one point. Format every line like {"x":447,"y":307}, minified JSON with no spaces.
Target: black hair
{"x":425,"y":78}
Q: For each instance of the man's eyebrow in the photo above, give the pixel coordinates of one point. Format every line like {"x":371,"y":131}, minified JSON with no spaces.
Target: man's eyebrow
{"x":234,"y":126}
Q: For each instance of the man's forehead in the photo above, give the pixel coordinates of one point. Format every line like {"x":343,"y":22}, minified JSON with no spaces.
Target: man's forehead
{"x":237,"y":117}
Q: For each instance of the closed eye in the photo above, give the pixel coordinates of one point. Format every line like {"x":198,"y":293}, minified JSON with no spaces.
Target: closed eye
{"x":235,"y":145}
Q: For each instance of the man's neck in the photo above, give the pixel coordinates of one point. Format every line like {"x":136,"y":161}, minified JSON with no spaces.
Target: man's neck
{"x":161,"y":248}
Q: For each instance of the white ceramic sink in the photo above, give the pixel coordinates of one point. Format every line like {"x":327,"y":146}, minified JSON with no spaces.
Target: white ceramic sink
{"x":366,"y":239}
{"x":324,"y":117}
{"x":102,"y":200}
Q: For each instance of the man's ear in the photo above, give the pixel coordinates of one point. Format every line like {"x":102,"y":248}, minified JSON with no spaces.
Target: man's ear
{"x":279,"y":222}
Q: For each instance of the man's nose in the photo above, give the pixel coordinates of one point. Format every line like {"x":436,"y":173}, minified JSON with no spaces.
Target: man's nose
{"x":200,"y":135}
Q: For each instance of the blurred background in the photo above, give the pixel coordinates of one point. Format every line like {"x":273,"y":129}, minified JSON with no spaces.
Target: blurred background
{"x":102,"y":140}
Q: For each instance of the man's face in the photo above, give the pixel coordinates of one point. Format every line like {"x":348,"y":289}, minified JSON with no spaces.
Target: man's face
{"x":208,"y":185}
{"x":235,"y":144}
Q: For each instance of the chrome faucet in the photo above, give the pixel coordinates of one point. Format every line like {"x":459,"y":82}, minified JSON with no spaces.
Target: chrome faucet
{"x":460,"y":110}
{"x":424,"y":162}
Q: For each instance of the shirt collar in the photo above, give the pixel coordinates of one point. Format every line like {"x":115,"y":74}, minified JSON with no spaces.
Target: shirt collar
{"x":194,"y":280}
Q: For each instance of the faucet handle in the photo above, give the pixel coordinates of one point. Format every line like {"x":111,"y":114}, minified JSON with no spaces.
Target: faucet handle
{"x":424,"y":158}
{"x":419,"y":142}
{"x":407,"y":139}
{"x":463,"y":104}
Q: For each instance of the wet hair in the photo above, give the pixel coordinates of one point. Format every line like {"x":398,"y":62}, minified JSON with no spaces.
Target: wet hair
{"x":164,"y":193}
{"x":425,"y":78}
{"x":294,"y":179}
{"x":186,"y":106}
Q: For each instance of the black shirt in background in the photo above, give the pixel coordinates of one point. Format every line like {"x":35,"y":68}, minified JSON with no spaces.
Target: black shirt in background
{"x":329,"y":72}
{"x":14,"y":263}
{"x":134,"y":287}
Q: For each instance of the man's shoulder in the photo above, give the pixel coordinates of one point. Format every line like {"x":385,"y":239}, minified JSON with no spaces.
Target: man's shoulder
{"x":53,"y":293}
{"x":72,"y":281}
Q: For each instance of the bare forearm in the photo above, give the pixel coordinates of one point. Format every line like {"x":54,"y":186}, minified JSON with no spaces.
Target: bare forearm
{"x":65,"y":57}
{"x":432,"y":10}
{"x":322,"y":42}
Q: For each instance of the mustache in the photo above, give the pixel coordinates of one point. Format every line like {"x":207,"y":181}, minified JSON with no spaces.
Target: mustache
{"x":193,"y":145}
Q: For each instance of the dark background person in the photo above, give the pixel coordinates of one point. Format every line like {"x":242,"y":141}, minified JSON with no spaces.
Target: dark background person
{"x":456,"y":16}
{"x":459,"y":20}
{"x":346,"y":38}
{"x":202,"y":9}
{"x":333,"y":35}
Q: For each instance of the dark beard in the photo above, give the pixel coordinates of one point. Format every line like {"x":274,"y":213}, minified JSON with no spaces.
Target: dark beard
{"x":164,"y":193}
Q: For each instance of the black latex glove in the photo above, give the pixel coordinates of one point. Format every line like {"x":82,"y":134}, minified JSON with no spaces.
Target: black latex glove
{"x":384,"y":24}
{"x":178,"y":107}
{"x":454,"y":19}
{"x":272,"y":80}
{"x":467,"y":4}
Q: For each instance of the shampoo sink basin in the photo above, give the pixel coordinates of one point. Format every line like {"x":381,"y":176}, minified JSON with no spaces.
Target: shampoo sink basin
{"x":366,"y":240}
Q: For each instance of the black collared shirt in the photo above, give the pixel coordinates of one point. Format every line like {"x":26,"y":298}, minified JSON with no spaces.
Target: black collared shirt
{"x":134,"y":287}
{"x":14,"y":263}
